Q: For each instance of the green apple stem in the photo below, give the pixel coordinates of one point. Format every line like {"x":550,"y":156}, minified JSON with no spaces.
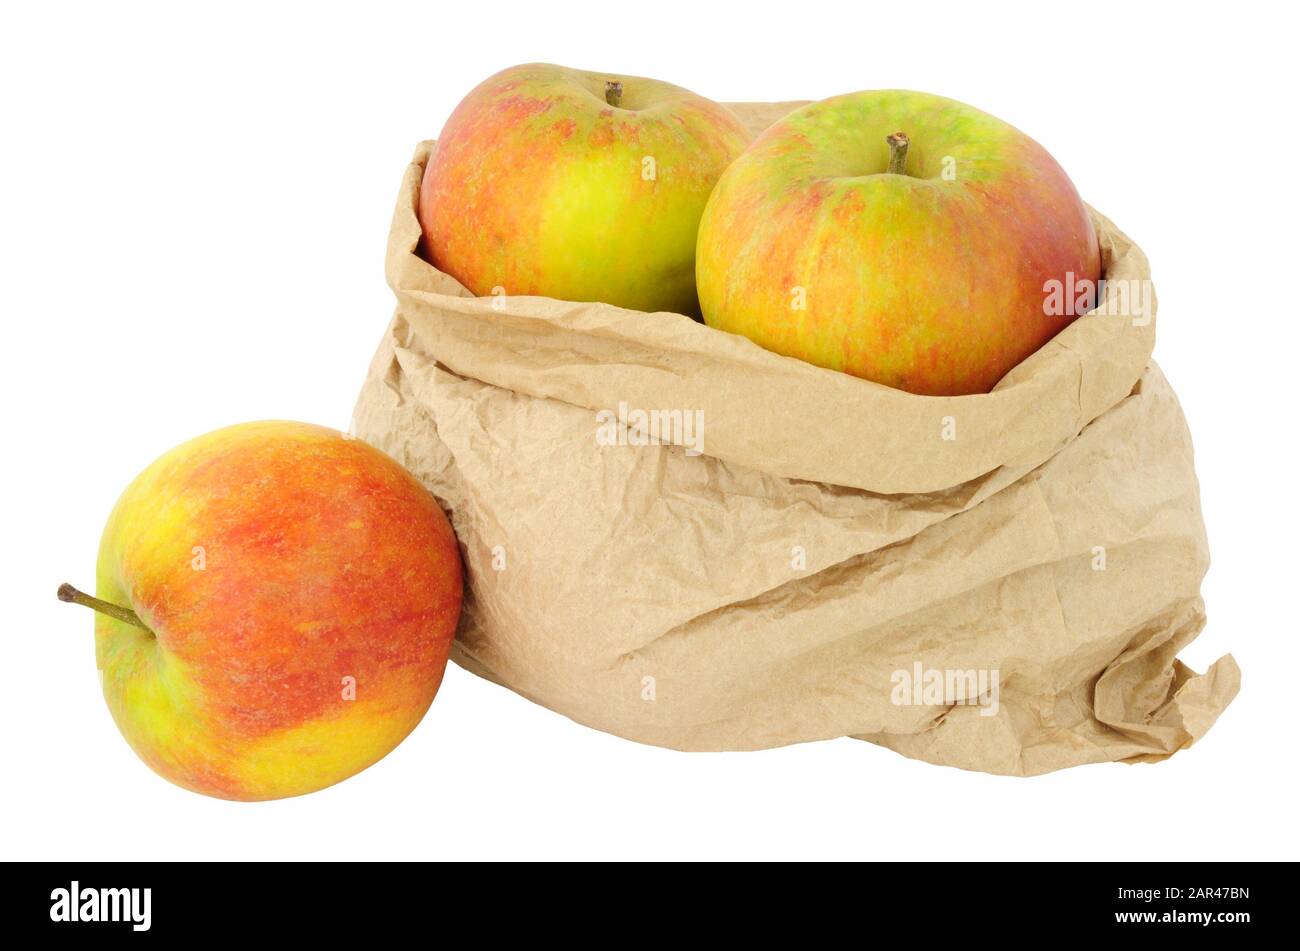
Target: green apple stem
{"x":898,"y":143}
{"x":68,"y":593}
{"x":613,"y":93}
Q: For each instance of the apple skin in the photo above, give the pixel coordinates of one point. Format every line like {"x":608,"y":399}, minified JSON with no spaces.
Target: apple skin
{"x":929,"y":285}
{"x":270,"y":561}
{"x":538,"y":187}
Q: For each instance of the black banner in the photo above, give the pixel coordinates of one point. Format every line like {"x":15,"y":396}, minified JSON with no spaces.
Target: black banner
{"x":937,"y":901}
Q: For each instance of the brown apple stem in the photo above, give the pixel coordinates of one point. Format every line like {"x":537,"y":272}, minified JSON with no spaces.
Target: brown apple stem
{"x":68,"y":593}
{"x":613,"y":93}
{"x":898,"y":143}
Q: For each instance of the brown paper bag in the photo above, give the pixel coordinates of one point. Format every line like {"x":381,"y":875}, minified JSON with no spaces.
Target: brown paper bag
{"x":998,"y":582}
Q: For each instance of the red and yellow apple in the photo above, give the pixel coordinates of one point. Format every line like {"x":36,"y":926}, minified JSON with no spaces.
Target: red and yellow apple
{"x":917,"y":260}
{"x":277,"y":604}
{"x":576,"y":185}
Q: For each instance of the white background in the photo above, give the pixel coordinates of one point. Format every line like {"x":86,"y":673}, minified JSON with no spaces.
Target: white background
{"x":193,"y":212}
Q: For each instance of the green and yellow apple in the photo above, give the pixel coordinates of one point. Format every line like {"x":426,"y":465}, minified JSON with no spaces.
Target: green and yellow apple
{"x":576,"y":185}
{"x":276,"y":602}
{"x":897,"y":236}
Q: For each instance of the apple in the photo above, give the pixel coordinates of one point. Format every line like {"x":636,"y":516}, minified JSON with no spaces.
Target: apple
{"x":576,"y":185}
{"x":276,"y":602}
{"x":898,"y":236}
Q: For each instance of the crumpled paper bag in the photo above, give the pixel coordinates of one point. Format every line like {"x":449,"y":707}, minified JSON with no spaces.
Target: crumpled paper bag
{"x":998,"y":582}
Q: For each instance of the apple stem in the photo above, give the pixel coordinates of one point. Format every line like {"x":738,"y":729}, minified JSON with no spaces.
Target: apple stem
{"x":68,"y":593}
{"x":898,"y":143}
{"x":613,"y":93}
